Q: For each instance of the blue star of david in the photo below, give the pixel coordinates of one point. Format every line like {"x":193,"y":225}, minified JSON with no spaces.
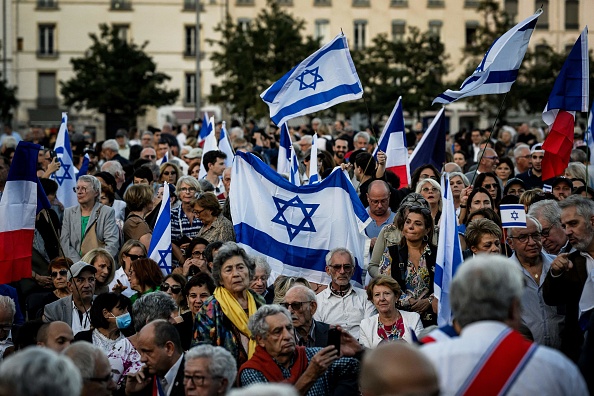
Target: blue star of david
{"x":316,"y":79}
{"x":514,"y":215}
{"x":66,"y":175}
{"x":163,"y":259}
{"x":307,"y":209}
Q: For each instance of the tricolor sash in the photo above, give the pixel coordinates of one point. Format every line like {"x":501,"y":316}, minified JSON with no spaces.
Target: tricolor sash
{"x":499,"y":366}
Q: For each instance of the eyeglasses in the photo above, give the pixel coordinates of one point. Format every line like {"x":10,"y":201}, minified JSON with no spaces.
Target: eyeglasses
{"x":135,"y":257}
{"x":107,"y":378}
{"x":172,"y":173}
{"x":198,"y":212}
{"x":295,"y":306}
{"x":198,"y":380}
{"x":61,"y":272}
{"x":490,"y":186}
{"x":524,"y":238}
{"x":187,"y":189}
{"x":338,"y":267}
{"x":197,"y":254}
{"x":379,"y":201}
{"x":150,"y":157}
{"x":174,"y":289}
{"x":427,"y":189}
{"x":546,"y":232}
{"x":81,"y":189}
{"x":494,"y":157}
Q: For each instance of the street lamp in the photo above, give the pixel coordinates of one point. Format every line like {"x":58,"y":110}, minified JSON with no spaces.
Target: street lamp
{"x":197,"y":50}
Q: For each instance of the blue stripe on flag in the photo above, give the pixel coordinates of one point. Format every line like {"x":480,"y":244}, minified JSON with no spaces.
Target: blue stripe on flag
{"x":502,"y":76}
{"x":528,"y":26}
{"x":277,"y":86}
{"x":337,"y":45}
{"x":21,"y":168}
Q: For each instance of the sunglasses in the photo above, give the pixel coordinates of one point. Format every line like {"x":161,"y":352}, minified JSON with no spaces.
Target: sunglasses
{"x":174,"y":289}
{"x":61,"y":272}
{"x":490,"y":186}
{"x":167,"y":173}
{"x":135,"y":257}
{"x":295,"y":306}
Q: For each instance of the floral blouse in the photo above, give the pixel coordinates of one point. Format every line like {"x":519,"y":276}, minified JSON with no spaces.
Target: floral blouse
{"x":124,"y":359}
{"x":417,"y":280}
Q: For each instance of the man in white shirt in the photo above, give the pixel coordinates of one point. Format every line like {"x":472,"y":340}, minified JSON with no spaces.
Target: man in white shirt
{"x":490,"y":356}
{"x":341,"y":303}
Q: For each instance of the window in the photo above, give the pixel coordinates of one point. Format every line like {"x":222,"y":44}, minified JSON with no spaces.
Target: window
{"x":435,"y":28}
{"x":121,"y":5}
{"x":243,"y":24}
{"x":399,"y":3}
{"x":46,"y":90}
{"x":244,"y":2}
{"x":471,"y":3}
{"x":572,"y":16}
{"x":471,"y":28}
{"x":543,"y":19}
{"x":511,"y":8}
{"x":190,"y":88}
{"x":322,"y":3}
{"x":122,"y":31}
{"x":190,"y":40}
{"x":361,"y":3}
{"x":285,"y":2}
{"x":322,"y":30}
{"x":398,"y":30}
{"x":435,"y":3}
{"x":189,"y":5}
{"x":47,"y":45}
{"x":51,"y":4}
{"x":360,"y":34}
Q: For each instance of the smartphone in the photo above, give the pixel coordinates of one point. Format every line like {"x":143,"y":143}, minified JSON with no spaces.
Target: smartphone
{"x":334,"y":338}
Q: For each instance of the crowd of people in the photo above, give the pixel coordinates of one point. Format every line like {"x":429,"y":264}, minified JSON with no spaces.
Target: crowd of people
{"x":98,"y":317}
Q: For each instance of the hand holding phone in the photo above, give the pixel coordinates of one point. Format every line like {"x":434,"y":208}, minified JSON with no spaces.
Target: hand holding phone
{"x":334,"y":338}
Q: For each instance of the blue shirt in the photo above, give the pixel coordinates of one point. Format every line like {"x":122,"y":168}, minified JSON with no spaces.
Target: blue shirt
{"x":373,"y":229}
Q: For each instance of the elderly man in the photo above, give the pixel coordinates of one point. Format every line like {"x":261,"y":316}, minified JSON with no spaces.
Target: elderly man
{"x":341,"y":303}
{"x":569,"y":281}
{"x":521,"y":158}
{"x":110,"y":152}
{"x":313,"y":371}
{"x":94,"y":368}
{"x":56,"y":336}
{"x":146,"y":140}
{"x":163,"y":358}
{"x":153,"y":306}
{"x":149,"y":153}
{"x":544,"y":321}
{"x":305,"y":144}
{"x":548,"y":214}
{"x":210,"y":371}
{"x":7,"y":313}
{"x":397,"y":368}
{"x":259,"y":282}
{"x":491,"y":356}
{"x":378,"y":197}
{"x":488,"y":163}
{"x":533,"y":177}
{"x":301,"y":303}
{"x":74,"y":309}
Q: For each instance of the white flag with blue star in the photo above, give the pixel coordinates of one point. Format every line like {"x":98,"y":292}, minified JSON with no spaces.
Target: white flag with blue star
{"x":295,"y":227}
{"x":66,"y":175}
{"x":512,"y":215}
{"x":160,"y":247}
{"x":327,"y":77}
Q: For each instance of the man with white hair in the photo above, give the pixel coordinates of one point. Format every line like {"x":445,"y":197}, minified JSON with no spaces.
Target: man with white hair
{"x":491,"y":356}
{"x":521,"y":158}
{"x":209,"y":371}
{"x":548,"y":214}
{"x":110,"y":152}
{"x":94,"y":368}
{"x":301,"y":303}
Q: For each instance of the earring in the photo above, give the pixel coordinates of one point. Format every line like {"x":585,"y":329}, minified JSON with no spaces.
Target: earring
{"x":426,"y":238}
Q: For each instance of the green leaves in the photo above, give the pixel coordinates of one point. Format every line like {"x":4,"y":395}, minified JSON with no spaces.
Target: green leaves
{"x":8,"y":101}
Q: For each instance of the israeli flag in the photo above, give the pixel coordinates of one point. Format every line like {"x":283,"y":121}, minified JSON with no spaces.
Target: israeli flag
{"x":160,"y":247}
{"x":589,"y":139}
{"x":66,"y":175}
{"x":283,"y":164}
{"x":225,"y":145}
{"x":295,"y":227}
{"x":205,"y":130}
{"x":314,"y":176}
{"x":449,"y":254}
{"x":294,"y":177}
{"x":327,"y":77}
{"x":498,"y":70}
{"x":210,"y":144}
{"x":512,"y":215}
{"x":84,"y":168}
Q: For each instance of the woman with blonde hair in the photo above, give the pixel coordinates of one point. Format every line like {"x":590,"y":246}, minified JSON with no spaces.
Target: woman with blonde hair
{"x":105,"y":266}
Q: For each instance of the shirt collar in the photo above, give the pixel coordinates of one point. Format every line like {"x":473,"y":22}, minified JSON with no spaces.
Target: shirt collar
{"x":172,"y":373}
{"x":310,"y":335}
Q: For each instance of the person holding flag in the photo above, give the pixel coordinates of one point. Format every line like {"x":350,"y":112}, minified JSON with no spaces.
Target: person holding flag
{"x":66,"y":173}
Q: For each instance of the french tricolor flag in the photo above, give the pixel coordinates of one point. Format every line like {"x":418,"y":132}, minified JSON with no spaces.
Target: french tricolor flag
{"x":570,"y":94}
{"x":22,"y":199}
{"x":393,"y":142}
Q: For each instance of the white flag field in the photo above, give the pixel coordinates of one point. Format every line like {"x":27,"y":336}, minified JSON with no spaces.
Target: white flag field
{"x":295,"y":227}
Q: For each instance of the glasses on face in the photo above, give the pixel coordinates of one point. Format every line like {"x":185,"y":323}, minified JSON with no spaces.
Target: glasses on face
{"x":338,"y":267}
{"x":81,"y":189}
{"x":198,"y":212}
{"x":295,"y":306}
{"x":546,"y":232}
{"x":197,"y":254}
{"x":107,"y":378}
{"x":197,"y":380}
{"x":135,"y":257}
{"x":61,"y":272}
{"x":150,"y":157}
{"x":187,"y":189}
{"x":378,"y":201}
{"x":174,"y":289}
{"x":167,"y":173}
{"x":525,"y":237}
{"x":490,"y":186}
{"x":428,"y":190}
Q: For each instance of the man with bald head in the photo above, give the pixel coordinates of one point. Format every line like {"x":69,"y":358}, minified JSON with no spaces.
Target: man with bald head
{"x":56,"y":336}
{"x":488,"y":161}
{"x":301,"y":303}
{"x":397,"y":368}
{"x":149,"y":153}
{"x":378,"y":197}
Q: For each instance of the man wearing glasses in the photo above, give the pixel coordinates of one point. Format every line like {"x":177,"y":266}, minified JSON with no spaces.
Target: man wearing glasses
{"x":488,"y":161}
{"x":301,"y":303}
{"x":554,"y":240}
{"x":544,"y":321}
{"x":341,"y":303}
{"x":94,"y":368}
{"x":210,"y":371}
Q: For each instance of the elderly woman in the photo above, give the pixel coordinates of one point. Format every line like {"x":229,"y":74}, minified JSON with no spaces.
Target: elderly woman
{"x":105,"y":265}
{"x":215,"y":226}
{"x":139,"y":201}
{"x":131,"y":251}
{"x":483,"y":236}
{"x":224,"y":317}
{"x":145,"y":277}
{"x":89,"y":224}
{"x":458,"y":182}
{"x":170,"y":173}
{"x":184,"y":223}
{"x":259,"y":282}
{"x":389,"y":324}
{"x":58,"y":270}
{"x":431,"y":191}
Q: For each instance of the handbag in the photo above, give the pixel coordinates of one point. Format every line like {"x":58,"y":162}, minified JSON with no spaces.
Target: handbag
{"x":90,"y":240}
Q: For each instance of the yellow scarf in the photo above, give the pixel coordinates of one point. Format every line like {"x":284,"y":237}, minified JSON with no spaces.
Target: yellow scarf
{"x":233,"y":310}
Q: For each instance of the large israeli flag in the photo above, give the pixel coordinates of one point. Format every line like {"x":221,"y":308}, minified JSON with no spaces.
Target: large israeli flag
{"x":325,"y":78}
{"x":160,"y":247}
{"x":498,"y":70}
{"x":449,"y":254}
{"x":295,"y":227}
{"x":66,"y":175}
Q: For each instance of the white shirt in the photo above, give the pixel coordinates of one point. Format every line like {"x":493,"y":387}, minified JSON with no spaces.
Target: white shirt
{"x":548,"y":372}
{"x":77,"y":326}
{"x":347,"y":311}
{"x":171,"y":374}
{"x":123,"y":278}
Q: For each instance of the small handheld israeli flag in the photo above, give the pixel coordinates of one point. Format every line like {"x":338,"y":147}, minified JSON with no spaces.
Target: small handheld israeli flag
{"x":513,"y":215}
{"x":66,"y":175}
{"x":160,"y":247}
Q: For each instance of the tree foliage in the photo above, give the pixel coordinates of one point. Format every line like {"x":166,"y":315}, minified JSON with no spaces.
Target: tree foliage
{"x":249,"y":60}
{"x":411,"y":68}
{"x":116,"y":78}
{"x":8,"y":101}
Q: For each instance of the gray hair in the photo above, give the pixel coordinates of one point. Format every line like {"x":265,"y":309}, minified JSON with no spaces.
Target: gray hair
{"x":112,"y":167}
{"x":362,"y":134}
{"x":484,"y":288}
{"x":84,"y":355}
{"x":265,"y":389}
{"x":583,"y":206}
{"x":221,"y":362}
{"x":519,"y":148}
{"x":461,"y":175}
{"x":548,"y":210}
{"x":227,"y":251}
{"x":578,"y":156}
{"x":206,"y":186}
{"x":236,"y":132}
{"x":577,"y":169}
{"x":93,"y":181}
{"x":453,"y":166}
{"x":38,"y":371}
{"x":152,"y":306}
{"x":257,"y":323}
{"x":147,"y":133}
{"x":339,"y":250}
{"x":430,"y":181}
{"x":307,"y":138}
{"x":262,"y":264}
{"x":310,"y":294}
{"x":7,"y":305}
{"x":111,"y":144}
{"x":190,"y":181}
